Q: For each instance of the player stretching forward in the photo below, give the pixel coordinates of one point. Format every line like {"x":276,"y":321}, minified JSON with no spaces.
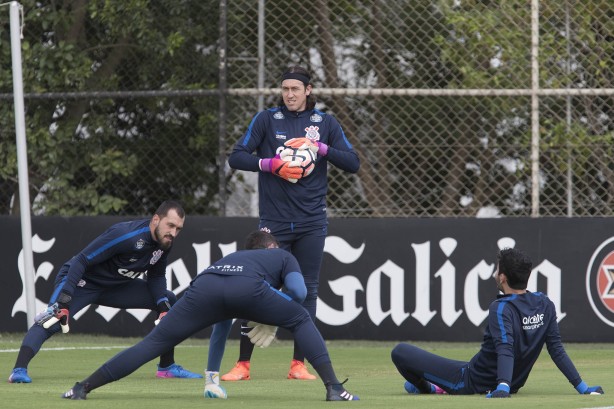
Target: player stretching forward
{"x":242,"y":284}
{"x":107,"y":273}
{"x":519,"y":324}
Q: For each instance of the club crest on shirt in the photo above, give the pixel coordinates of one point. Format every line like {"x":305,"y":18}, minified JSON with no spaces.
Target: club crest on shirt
{"x":156,"y":256}
{"x":315,"y":118}
{"x":139,"y":244}
{"x":278,"y":115}
{"x":311,"y":132}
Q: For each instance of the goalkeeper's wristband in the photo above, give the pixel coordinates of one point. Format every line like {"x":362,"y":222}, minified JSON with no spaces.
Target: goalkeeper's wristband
{"x":322,"y":149}
{"x":163,"y":306}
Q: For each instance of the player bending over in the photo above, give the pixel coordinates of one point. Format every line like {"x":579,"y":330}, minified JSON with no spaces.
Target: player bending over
{"x":242,"y":284}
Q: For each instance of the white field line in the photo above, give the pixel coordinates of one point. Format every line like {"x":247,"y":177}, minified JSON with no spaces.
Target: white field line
{"x":98,"y":348}
{"x":601,"y":407}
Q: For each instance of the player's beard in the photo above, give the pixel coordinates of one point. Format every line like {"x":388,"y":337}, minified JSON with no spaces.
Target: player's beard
{"x":164,"y":244}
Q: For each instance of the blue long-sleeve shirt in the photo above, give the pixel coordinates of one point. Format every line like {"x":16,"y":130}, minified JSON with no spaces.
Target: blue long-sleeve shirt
{"x":278,"y":267}
{"x":518,"y":327}
{"x":122,"y":253}
{"x":280,"y":200}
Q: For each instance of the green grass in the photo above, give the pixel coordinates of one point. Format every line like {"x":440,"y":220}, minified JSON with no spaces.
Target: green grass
{"x":371,"y":375}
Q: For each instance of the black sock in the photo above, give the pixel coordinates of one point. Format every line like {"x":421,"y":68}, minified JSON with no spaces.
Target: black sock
{"x":96,"y":380}
{"x":298,"y":354}
{"x":327,"y":373}
{"x":167,"y":358}
{"x":246,"y":348}
{"x":24,"y":357}
{"x":423,"y":386}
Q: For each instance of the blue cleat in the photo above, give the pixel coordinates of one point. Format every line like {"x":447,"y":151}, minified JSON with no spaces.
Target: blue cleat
{"x":176,"y":371}
{"x":19,"y":375}
{"x":410,"y":388}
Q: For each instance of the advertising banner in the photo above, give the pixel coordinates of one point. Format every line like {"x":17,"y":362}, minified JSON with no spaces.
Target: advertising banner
{"x":381,"y":279}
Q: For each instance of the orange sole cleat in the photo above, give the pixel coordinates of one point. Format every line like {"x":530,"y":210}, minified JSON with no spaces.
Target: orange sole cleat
{"x":240,"y":372}
{"x":298,"y":370}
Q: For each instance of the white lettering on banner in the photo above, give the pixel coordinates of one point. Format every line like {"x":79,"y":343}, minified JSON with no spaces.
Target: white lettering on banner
{"x":482,"y":271}
{"x":553,"y":287}
{"x":43,"y":271}
{"x":423,"y":312}
{"x":397,"y":292}
{"x":447,"y":273}
{"x":348,"y":287}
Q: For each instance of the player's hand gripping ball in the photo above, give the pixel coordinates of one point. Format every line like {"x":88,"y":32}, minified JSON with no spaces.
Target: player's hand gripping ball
{"x":300,"y":157}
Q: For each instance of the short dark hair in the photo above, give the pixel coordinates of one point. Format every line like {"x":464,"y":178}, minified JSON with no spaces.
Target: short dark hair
{"x":167,"y":205}
{"x":259,"y":240}
{"x":516,"y":266}
{"x":295,"y":69}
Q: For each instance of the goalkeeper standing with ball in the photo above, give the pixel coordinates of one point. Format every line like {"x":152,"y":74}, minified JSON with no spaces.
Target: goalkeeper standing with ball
{"x":107,"y":272}
{"x":292,"y":206}
{"x":519,"y":324}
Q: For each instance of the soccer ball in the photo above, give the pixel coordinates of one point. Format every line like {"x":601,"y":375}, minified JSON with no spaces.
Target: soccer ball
{"x":305,"y":157}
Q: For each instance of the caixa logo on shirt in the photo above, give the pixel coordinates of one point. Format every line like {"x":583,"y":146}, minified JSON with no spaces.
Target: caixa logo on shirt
{"x":600,"y":281}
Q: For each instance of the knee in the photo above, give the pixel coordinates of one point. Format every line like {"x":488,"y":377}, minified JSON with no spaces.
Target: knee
{"x":397,"y":354}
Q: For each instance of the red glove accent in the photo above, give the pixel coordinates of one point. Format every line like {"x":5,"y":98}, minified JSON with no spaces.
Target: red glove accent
{"x":285,"y":170}
{"x":162,"y":314}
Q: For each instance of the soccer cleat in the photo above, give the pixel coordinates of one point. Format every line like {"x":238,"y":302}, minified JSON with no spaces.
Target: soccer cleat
{"x":19,"y":375}
{"x":240,"y":372}
{"x":213,"y":389}
{"x":411,"y":388}
{"x":176,"y":371}
{"x":298,"y":370}
{"x":336,"y":392}
{"x":77,"y":392}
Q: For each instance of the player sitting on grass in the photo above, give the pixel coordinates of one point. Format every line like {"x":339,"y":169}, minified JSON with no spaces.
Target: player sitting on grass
{"x":519,"y":324}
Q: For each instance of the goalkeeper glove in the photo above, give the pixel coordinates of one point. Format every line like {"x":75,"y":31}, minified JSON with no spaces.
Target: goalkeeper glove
{"x":163,"y":309}
{"x":584,"y":389}
{"x":56,"y":312}
{"x":261,"y":335}
{"x":319,"y":148}
{"x":502,"y":391}
{"x":289,"y":171}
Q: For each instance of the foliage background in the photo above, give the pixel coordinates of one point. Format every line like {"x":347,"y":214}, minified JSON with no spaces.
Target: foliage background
{"x":124,"y":103}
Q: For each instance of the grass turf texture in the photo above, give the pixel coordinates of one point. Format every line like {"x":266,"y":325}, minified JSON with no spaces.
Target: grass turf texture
{"x":372,"y":376}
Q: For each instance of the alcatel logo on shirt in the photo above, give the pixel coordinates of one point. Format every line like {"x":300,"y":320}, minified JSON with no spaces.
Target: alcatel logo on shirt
{"x":532,"y":322}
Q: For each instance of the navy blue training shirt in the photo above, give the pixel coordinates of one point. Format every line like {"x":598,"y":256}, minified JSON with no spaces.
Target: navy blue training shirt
{"x":125,"y":251}
{"x":280,"y":200}
{"x":271,"y":265}
{"x":518,"y":327}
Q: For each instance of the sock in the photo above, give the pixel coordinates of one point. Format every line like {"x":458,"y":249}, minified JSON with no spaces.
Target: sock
{"x":96,"y":380}
{"x":246,"y":348}
{"x":24,"y":357}
{"x":298,"y":354}
{"x":327,"y":373}
{"x":167,"y":359}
